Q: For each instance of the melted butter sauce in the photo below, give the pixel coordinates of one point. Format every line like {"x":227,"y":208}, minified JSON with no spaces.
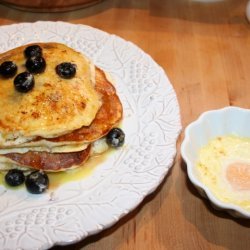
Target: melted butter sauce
{"x":59,"y":178}
{"x":2,"y":181}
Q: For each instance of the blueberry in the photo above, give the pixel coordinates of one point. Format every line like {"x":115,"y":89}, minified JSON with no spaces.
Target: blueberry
{"x":37,"y":182}
{"x":14,"y":177}
{"x":35,"y":64}
{"x":115,"y":138}
{"x":8,"y":69}
{"x":24,"y":82}
{"x":66,"y":70}
{"x":33,"y":51}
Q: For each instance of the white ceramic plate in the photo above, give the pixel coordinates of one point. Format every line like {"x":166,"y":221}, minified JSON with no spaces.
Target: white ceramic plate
{"x":211,"y":124}
{"x":151,"y":123}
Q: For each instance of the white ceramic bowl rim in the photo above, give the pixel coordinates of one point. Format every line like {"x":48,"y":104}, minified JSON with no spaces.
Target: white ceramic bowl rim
{"x":231,"y":208}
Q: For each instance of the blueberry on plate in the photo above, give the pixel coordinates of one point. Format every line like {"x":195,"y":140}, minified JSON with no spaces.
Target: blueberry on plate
{"x":115,"y":138}
{"x":37,"y":182}
{"x":24,"y":82}
{"x":66,"y":70}
{"x":8,"y":69}
{"x":33,"y":51}
{"x":35,"y":65}
{"x":14,"y":177}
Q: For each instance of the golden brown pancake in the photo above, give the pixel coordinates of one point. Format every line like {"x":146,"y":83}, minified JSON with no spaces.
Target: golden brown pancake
{"x":55,"y":106}
{"x":108,"y":115}
{"x":106,"y":118}
{"x":51,"y":162}
{"x":41,"y":152}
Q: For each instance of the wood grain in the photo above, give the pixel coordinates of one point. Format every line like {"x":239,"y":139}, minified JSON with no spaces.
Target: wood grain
{"x":205,"y":50}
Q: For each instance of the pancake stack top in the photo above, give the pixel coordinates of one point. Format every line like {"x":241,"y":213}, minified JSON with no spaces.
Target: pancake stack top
{"x":52,"y":124}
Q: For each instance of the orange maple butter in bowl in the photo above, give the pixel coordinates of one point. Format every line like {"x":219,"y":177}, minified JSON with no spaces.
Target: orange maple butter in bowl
{"x":216,"y":149}
{"x":224,"y":167}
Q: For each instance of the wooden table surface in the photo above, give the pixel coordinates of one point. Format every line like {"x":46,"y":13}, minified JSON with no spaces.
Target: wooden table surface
{"x":205,"y":50}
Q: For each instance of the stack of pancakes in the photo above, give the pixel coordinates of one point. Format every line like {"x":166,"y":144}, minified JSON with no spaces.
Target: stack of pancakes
{"x":53,"y":126}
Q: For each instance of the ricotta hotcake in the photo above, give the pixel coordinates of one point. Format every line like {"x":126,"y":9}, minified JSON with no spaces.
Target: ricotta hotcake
{"x":73,"y":147}
{"x":62,"y":150}
{"x":51,"y":162}
{"x":55,"y":106}
{"x":107,"y":117}
{"x":109,"y":114}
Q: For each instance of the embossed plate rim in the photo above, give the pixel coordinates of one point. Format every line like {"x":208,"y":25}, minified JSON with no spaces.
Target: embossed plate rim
{"x":140,"y":82}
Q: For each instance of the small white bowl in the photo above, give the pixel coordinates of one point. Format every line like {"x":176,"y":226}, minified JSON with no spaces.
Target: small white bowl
{"x":226,"y":121}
